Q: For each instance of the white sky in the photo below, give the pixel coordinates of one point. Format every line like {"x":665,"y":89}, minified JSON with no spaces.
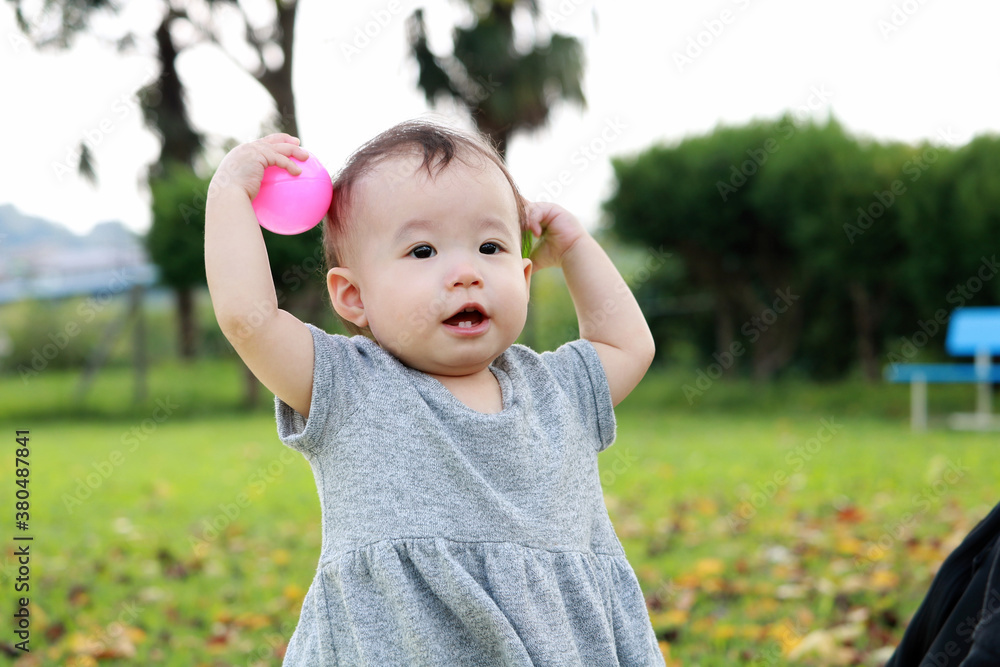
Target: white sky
{"x":899,"y":69}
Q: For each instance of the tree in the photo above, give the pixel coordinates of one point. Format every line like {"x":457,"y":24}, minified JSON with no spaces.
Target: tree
{"x":506,"y":87}
{"x":836,"y":196}
{"x":177,"y":237}
{"x":56,"y":23}
{"x":698,"y":199}
{"x":953,"y":261}
{"x":853,"y":235}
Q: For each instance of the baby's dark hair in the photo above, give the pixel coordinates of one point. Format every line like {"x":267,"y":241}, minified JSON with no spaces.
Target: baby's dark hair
{"x":439,"y":144}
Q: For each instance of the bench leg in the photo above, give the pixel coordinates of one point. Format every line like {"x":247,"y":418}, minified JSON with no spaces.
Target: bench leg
{"x":918,"y":404}
{"x":983,"y":403}
{"x":983,"y":398}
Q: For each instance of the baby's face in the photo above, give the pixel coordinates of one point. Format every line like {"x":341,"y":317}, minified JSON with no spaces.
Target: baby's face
{"x":438,"y":264}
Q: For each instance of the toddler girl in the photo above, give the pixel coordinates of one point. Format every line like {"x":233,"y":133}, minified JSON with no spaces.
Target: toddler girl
{"x":463,"y":519}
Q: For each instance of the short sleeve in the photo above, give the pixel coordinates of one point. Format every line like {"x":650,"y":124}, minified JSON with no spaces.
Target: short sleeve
{"x":580,"y":374}
{"x":339,"y":371}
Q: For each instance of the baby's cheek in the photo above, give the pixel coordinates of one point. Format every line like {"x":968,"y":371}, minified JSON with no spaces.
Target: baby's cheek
{"x":395,"y":342}
{"x":398,"y":331}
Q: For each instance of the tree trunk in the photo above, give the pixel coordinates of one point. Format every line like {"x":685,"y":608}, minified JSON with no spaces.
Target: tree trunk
{"x":278,"y":82}
{"x":772,"y":330}
{"x":724,"y":336}
{"x":865,"y":324}
{"x":163,"y":104}
{"x":776,"y":346}
{"x":187,"y":328}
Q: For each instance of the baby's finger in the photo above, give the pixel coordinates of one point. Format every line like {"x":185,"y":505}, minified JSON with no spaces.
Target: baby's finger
{"x":536,"y":215}
{"x":530,"y":215}
{"x":292,"y":150}
{"x":287,"y":163}
{"x":280,"y":138}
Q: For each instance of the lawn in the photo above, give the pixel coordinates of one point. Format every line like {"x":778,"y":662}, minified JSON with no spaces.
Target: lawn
{"x":794,"y":524}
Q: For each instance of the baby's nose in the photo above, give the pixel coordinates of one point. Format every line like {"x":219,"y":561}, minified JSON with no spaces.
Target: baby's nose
{"x":465,"y":274}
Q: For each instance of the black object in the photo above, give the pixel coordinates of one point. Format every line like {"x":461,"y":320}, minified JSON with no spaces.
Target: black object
{"x":958,"y":623}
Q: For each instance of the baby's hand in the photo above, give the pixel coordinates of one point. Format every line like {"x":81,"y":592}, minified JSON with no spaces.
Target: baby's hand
{"x":243,"y":167}
{"x":558,"y":230}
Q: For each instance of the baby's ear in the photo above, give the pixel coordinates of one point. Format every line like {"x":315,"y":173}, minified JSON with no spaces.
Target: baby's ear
{"x":345,"y":295}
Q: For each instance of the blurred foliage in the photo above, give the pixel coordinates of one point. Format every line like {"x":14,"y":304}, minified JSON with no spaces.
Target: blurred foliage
{"x":30,"y":325}
{"x":176,"y":238}
{"x":41,"y":337}
{"x":63,"y":334}
{"x":213,"y":386}
{"x":815,"y":251}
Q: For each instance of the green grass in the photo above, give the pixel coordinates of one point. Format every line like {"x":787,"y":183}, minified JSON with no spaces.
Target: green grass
{"x":190,"y":537}
{"x":203,"y":533}
{"x":857,"y":527}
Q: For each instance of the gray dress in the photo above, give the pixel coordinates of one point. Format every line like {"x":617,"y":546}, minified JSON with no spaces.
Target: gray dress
{"x":455,"y":537}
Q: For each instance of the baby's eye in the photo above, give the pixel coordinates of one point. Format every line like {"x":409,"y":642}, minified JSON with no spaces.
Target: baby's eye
{"x":489,"y":248}
{"x":423,"y":252}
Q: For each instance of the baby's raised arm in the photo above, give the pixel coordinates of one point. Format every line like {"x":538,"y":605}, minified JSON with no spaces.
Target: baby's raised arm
{"x":608,"y":314}
{"x":275,"y":345}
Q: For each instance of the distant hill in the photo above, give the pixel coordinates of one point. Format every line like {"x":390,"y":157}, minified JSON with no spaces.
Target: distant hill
{"x":18,"y":230}
{"x":43,"y":259}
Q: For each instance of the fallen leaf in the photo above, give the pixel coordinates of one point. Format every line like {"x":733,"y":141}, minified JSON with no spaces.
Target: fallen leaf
{"x":884,"y":580}
{"x":850,"y":514}
{"x":709,"y":566}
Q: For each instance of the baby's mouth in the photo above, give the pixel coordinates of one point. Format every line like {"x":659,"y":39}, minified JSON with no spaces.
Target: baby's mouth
{"x":466,"y":318}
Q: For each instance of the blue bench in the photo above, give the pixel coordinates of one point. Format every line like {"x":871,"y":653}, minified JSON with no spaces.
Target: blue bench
{"x":972,"y":332}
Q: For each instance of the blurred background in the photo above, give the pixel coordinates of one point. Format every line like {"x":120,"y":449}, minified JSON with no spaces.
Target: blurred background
{"x":799,"y":195}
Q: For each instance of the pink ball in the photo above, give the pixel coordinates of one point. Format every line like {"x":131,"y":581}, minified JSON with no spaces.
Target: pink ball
{"x":287,"y":204}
